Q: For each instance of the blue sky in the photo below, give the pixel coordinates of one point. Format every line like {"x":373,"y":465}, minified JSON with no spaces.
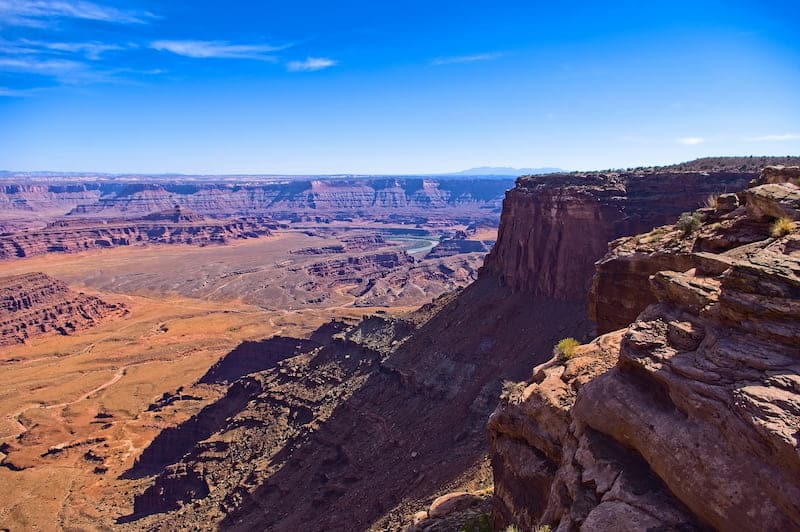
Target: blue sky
{"x":393,"y":87}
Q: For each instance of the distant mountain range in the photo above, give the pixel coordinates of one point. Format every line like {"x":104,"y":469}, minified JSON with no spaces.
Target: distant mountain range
{"x":507,"y":171}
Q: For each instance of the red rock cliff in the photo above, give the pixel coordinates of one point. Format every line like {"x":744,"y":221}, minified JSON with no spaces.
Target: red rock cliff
{"x":687,"y":418}
{"x":554,"y":227}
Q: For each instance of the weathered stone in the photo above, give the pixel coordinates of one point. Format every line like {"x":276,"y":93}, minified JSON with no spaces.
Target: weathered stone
{"x":774,"y":201}
{"x":452,"y":502}
{"x":696,"y":424}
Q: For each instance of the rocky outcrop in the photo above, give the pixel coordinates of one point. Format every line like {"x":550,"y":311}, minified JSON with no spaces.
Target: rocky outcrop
{"x":457,"y":246}
{"x":34,"y":304}
{"x":554,"y":227}
{"x":353,"y":270}
{"x":687,"y":418}
{"x":171,"y":227}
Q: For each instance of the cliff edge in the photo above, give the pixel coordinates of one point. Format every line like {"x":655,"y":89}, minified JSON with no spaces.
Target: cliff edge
{"x":687,"y":418}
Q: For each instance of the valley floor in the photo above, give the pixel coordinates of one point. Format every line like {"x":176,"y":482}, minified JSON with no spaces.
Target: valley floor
{"x":74,"y":409}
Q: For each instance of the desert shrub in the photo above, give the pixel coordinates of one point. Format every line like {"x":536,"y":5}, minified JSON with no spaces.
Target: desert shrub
{"x":565,"y":348}
{"x":782,"y":227}
{"x":482,"y":523}
{"x":689,"y":222}
{"x":542,"y":528}
{"x":712,"y":201}
{"x":513,"y":391}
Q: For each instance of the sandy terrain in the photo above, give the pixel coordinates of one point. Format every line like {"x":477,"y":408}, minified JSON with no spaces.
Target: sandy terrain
{"x":73,"y":409}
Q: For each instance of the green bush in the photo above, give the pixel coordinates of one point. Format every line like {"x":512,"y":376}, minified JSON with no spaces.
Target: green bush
{"x":565,"y":348}
{"x":689,"y":222}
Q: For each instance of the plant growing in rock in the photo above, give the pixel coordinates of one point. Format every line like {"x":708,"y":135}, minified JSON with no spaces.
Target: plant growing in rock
{"x":688,"y":223}
{"x":782,"y":227}
{"x":513,"y":392}
{"x":712,"y":201}
{"x":565,"y":348}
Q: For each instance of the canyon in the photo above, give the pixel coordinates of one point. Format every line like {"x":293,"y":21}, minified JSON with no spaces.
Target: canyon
{"x":321,"y":395}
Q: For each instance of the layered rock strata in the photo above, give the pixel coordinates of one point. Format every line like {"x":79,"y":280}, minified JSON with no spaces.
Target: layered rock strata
{"x":687,"y":418}
{"x":554,"y":227}
{"x":170,"y":227}
{"x":34,"y":304}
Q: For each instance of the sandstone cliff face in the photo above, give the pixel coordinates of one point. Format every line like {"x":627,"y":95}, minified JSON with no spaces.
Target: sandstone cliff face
{"x":553,"y":228}
{"x":687,"y":418}
{"x":34,"y":304}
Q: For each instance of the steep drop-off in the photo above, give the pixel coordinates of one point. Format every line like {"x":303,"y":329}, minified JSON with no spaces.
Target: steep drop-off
{"x":687,"y":418}
{"x":415,"y":421}
{"x":554,"y":227}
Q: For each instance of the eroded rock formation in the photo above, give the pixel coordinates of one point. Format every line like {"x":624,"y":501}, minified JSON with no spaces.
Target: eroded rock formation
{"x":687,"y":418}
{"x":34,"y":304}
{"x":169,"y":227}
{"x":554,"y":227}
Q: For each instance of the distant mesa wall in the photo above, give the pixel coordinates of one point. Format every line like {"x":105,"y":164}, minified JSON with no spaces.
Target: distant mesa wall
{"x":410,"y":200}
{"x":34,"y":304}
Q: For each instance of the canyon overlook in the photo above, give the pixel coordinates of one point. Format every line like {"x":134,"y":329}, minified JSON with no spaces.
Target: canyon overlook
{"x":415,"y":422}
{"x":364,"y":422}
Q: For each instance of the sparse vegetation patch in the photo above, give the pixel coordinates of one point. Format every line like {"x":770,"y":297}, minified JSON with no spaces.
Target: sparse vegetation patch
{"x":513,"y":392}
{"x":783,"y":227}
{"x":565,"y":348}
{"x":688,"y":223}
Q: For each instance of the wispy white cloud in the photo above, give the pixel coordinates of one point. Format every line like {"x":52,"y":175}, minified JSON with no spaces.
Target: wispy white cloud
{"x":466,"y":58}
{"x":27,"y":47}
{"x":6,"y":92}
{"x":218,"y":49}
{"x":71,"y":72}
{"x":47,"y":67}
{"x":41,"y":13}
{"x":690,"y":141}
{"x":310,"y":64}
{"x":92,"y":50}
{"x":774,"y":138}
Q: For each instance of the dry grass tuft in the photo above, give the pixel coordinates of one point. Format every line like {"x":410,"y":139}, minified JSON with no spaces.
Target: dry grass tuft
{"x":783,"y":227}
{"x":565,"y":348}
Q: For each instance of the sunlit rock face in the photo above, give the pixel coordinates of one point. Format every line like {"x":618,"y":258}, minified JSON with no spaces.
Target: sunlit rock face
{"x":686,"y":418}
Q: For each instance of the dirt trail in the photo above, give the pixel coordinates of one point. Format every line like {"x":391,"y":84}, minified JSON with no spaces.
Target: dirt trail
{"x":14,"y":417}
